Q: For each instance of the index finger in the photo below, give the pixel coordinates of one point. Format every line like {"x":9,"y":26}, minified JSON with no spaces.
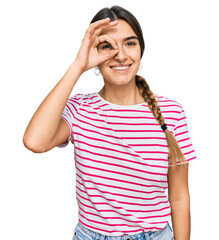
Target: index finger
{"x":100,"y":24}
{"x":106,"y":39}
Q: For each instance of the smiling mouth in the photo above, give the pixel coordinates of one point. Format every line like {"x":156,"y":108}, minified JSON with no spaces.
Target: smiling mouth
{"x":121,"y":68}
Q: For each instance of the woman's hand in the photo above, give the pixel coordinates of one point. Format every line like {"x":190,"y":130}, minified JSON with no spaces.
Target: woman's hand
{"x":88,"y":55}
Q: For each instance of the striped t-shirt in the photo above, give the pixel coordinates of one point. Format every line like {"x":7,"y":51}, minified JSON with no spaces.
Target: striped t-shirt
{"x":121,"y":160}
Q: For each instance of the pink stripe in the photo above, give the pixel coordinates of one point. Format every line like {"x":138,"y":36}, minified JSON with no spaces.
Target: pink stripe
{"x":158,"y":216}
{"x":186,"y":146}
{"x":189,"y":152}
{"x":124,"y":181}
{"x":122,"y":110}
{"x":181,"y":126}
{"x":100,"y":139}
{"x":113,"y":164}
{"x":124,"y":159}
{"x":106,"y":203}
{"x":96,"y":229}
{"x":111,"y":149}
{"x":184,"y":139}
{"x":115,"y":110}
{"x":140,"y":130}
{"x":191,"y":158}
{"x":72,"y":102}
{"x":182,"y":118}
{"x":90,"y":220}
{"x":122,"y":117}
{"x":106,"y":135}
{"x":109,"y":156}
{"x":124,"y":146}
{"x":148,"y":145}
{"x":137,"y":124}
{"x":125,"y":215}
{"x":137,"y":145}
{"x":170,"y":105}
{"x":70,"y":109}
{"x":113,"y":200}
{"x":181,"y":133}
{"x":171,"y":112}
{"x":156,"y":159}
{"x":169,"y":100}
{"x":117,"y":194}
{"x":153,"y":152}
{"x":99,"y":196}
{"x":120,"y":180}
{"x":158,"y":222}
{"x":161,"y":138}
{"x":132,"y":117}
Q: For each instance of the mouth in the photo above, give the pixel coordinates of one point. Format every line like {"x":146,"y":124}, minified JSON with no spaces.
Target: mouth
{"x":121,"y":68}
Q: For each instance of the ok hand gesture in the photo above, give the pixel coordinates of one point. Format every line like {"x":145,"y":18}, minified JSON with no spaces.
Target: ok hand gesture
{"x":88,"y":55}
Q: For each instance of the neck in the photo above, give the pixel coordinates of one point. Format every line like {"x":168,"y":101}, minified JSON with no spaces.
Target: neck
{"x":122,"y":97}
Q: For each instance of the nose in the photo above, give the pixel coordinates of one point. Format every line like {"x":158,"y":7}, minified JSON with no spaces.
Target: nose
{"x":121,"y":56}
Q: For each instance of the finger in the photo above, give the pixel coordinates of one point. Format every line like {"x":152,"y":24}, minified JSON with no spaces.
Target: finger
{"x":108,"y":55}
{"x":89,"y":34}
{"x":96,"y":24}
{"x":105,"y":38}
{"x":102,"y":27}
{"x":97,"y":27}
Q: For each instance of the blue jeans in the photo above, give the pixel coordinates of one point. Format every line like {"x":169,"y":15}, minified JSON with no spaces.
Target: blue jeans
{"x":83,"y":233}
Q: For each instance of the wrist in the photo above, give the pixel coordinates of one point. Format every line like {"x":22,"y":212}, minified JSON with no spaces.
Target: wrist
{"x":77,"y":68}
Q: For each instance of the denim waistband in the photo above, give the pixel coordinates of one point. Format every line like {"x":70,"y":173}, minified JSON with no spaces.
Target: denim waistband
{"x":140,"y":236}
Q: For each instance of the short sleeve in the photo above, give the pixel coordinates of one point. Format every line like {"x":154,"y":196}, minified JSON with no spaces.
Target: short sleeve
{"x":181,"y":134}
{"x":69,"y":115}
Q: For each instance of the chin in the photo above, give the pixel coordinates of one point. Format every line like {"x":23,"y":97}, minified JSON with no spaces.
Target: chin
{"x":120,"y":80}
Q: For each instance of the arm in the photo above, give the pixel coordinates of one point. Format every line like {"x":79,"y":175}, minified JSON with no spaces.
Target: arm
{"x":46,"y":128}
{"x":178,"y":193}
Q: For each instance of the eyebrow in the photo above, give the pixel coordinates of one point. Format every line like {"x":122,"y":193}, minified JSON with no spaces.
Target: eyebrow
{"x":129,"y":38}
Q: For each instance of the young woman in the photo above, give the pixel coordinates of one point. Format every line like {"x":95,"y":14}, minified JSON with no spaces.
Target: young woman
{"x":130,"y":144}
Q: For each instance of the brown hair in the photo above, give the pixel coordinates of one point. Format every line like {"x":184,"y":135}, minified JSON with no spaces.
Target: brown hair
{"x":117,"y":12}
{"x":175,"y":152}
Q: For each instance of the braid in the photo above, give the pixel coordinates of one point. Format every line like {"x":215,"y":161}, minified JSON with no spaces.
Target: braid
{"x":174,"y":148}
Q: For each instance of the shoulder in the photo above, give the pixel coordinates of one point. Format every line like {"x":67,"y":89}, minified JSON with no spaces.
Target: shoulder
{"x":81,"y":98}
{"x":77,"y":96}
{"x":166,"y":102}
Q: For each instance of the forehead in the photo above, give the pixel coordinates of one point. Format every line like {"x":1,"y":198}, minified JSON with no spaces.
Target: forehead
{"x":121,"y":30}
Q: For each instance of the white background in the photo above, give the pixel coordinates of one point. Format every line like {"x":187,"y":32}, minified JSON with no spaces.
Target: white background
{"x":39,"y":40}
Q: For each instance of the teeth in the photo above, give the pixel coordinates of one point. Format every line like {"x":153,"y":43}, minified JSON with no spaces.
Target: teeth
{"x":120,"y":68}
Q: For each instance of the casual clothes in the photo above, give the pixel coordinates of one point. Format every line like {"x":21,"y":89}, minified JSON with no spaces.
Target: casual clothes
{"x":83,"y":233}
{"x":121,"y":159}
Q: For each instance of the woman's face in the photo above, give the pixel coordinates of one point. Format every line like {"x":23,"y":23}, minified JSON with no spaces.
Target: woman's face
{"x":129,"y":53}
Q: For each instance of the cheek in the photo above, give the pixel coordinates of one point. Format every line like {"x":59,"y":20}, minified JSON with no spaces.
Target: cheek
{"x":102,"y":66}
{"x":135,"y":54}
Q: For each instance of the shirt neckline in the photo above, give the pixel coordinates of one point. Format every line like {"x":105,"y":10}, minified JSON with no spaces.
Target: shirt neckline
{"x":119,"y":106}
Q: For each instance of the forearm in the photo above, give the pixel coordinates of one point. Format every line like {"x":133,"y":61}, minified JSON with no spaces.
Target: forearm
{"x":46,"y":119}
{"x":181,"y":220}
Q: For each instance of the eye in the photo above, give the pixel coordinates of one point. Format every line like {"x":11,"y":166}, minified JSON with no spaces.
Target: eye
{"x":131,"y":43}
{"x":106,"y":46}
